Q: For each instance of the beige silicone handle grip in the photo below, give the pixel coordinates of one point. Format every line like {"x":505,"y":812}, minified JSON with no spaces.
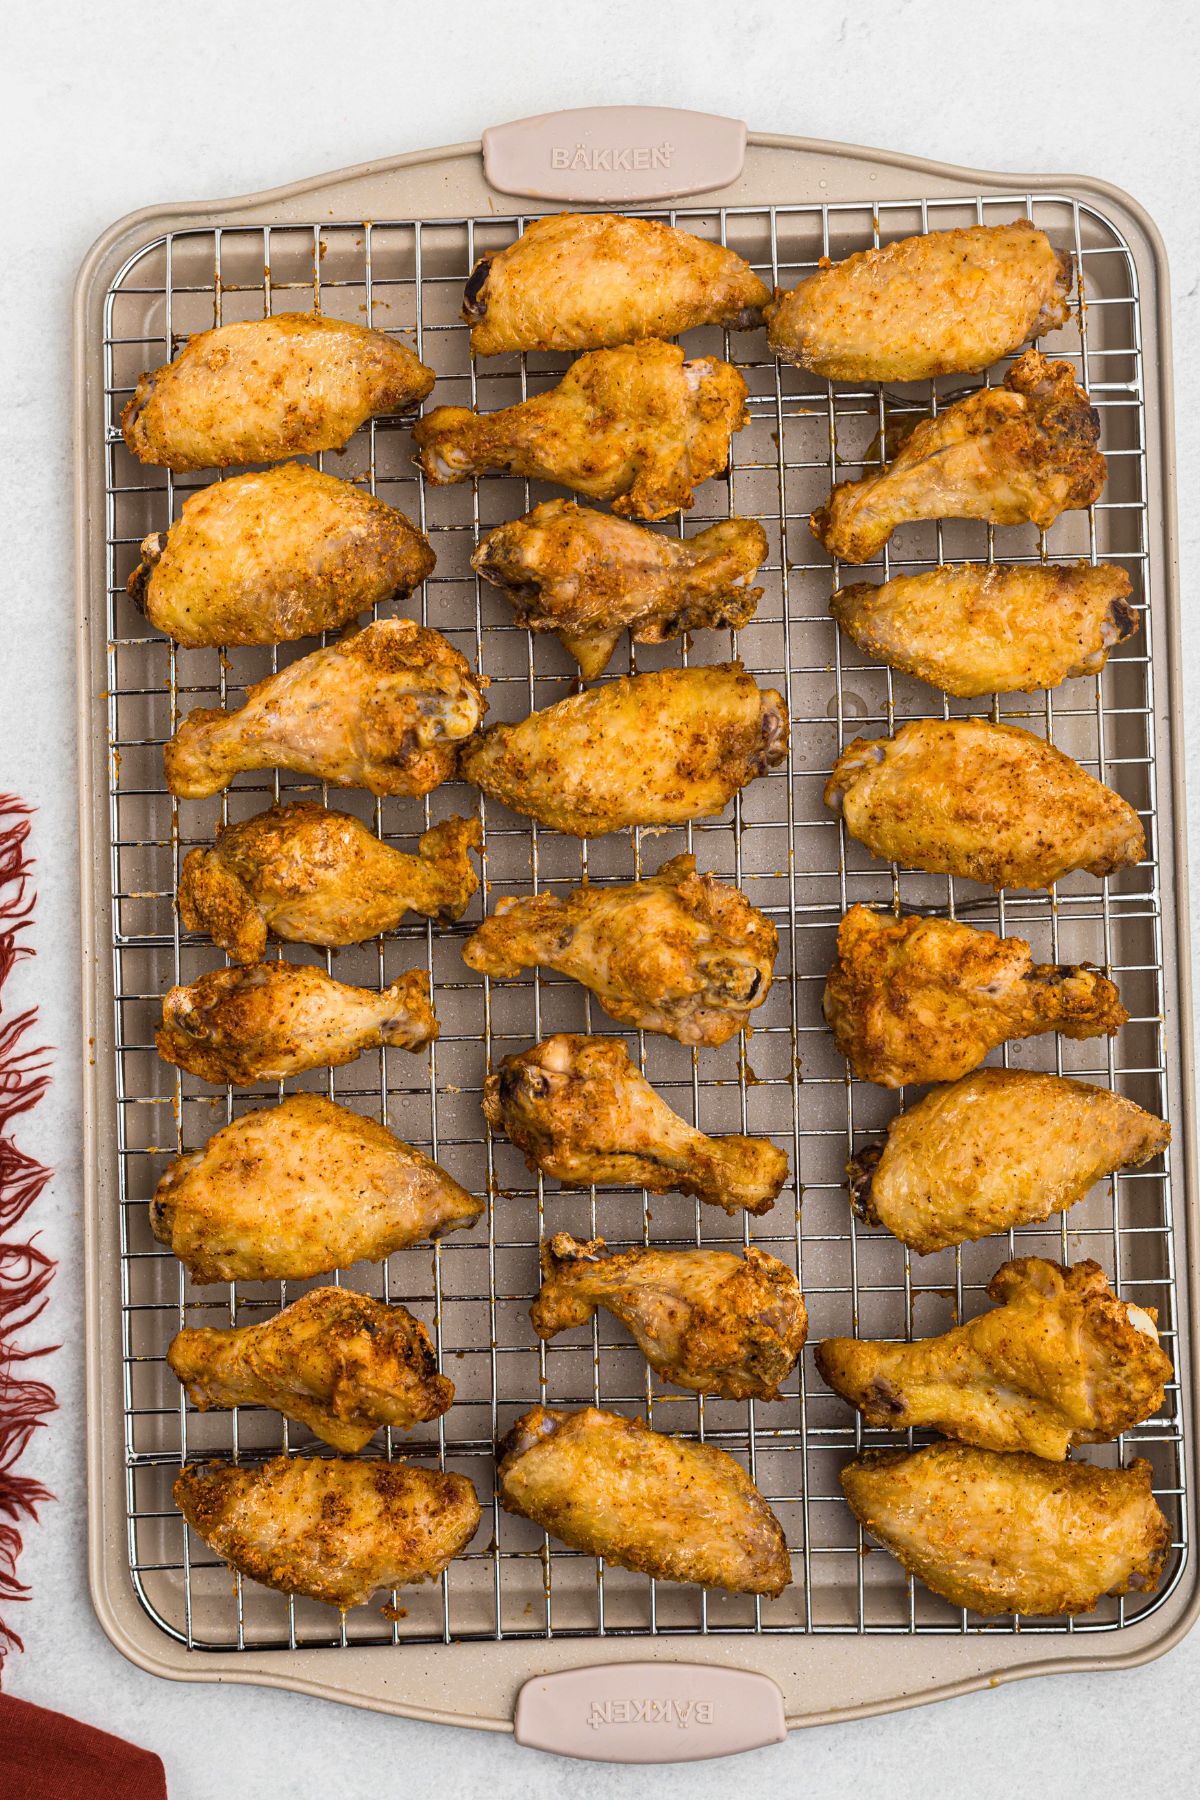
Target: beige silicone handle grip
{"x":614,"y":153}
{"x":649,"y":1712}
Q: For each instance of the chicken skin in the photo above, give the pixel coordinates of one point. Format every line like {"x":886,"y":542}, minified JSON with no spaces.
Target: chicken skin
{"x":637,"y":426}
{"x":336,"y":1361}
{"x":659,"y":1505}
{"x":581,"y":1112}
{"x":1024,"y":452}
{"x":654,"y":749}
{"x":268,"y":388}
{"x":926,"y":999}
{"x":705,"y":1319}
{"x":679,"y":953}
{"x":332,"y":1528}
{"x":1011,"y":1533}
{"x":276,"y":1019}
{"x":588,"y":577}
{"x":384,"y":710}
{"x":946,"y":302}
{"x":1000,"y":629}
{"x":279,"y":554}
{"x":1059,"y":1361}
{"x":301,"y":1189}
{"x":310,"y":875}
{"x":586,"y":281}
{"x":990,"y":803}
{"x":1000,"y":1148}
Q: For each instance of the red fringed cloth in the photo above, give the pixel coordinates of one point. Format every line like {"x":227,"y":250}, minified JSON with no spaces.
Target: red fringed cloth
{"x":44,"y":1756}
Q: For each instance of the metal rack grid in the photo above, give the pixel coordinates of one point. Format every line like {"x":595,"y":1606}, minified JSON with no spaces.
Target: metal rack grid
{"x":777,"y":841}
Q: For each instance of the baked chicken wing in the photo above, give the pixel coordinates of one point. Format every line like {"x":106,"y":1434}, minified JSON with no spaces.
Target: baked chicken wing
{"x":336,"y":1361}
{"x":943,"y":303}
{"x":991,"y":803}
{"x":332,"y":1528}
{"x":268,"y":388}
{"x":310,"y":875}
{"x":581,"y":1112}
{"x":918,"y":999}
{"x":585,"y":281}
{"x":680,"y":953}
{"x":638,"y":426}
{"x":300,"y":1189}
{"x":1059,"y":1361}
{"x":279,"y":554}
{"x":1024,"y":452}
{"x":1011,"y":1533}
{"x":983,"y":629}
{"x":275,"y":1019}
{"x":662,"y":1506}
{"x":705,"y":1319}
{"x":1000,"y":1148}
{"x":588,"y":577}
{"x":654,"y":749}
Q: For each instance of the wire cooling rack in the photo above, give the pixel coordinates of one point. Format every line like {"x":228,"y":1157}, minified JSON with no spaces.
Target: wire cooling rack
{"x":777,"y":841}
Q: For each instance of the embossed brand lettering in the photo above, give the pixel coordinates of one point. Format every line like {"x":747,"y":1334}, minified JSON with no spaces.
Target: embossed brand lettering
{"x":648,"y":1711}
{"x":606,"y":161}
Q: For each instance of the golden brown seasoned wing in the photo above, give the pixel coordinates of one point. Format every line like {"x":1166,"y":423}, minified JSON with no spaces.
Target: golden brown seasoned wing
{"x":638,"y":426}
{"x":991,"y":628}
{"x":705,"y":1319}
{"x":581,"y":1112}
{"x":333,"y":1528}
{"x":336,"y":1361}
{"x":1022,"y":452}
{"x":660,"y":1505}
{"x":276,"y":1019}
{"x":942,"y":303}
{"x":588,"y":577}
{"x":915,"y":999}
{"x":279,"y":554}
{"x":680,"y":953}
{"x":1000,"y":1148}
{"x":310,"y":875}
{"x":1060,"y":1361}
{"x":386,"y":710}
{"x":268,"y":388}
{"x":654,"y":749}
{"x":300,"y":1189}
{"x":991,"y":803}
{"x":1011,"y":1533}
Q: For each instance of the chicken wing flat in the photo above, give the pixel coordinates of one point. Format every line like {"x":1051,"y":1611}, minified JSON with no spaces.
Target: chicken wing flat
{"x":276,"y":1019}
{"x":300,"y":1189}
{"x":992,"y":803}
{"x":1000,"y":628}
{"x":384,"y":710}
{"x":638,"y":426}
{"x":1000,"y":1148}
{"x":662,"y":1506}
{"x":336,"y":1361}
{"x":332,"y":1528}
{"x":943,"y":303}
{"x":679,"y":953}
{"x":279,"y":554}
{"x":1024,"y":452}
{"x":926,"y":999}
{"x":1059,"y":1361}
{"x":310,"y":875}
{"x":269,"y":388}
{"x":654,"y":749}
{"x":581,"y":1112}
{"x":585,"y":281}
{"x":588,"y":577}
{"x":705,"y":1319}
{"x":1011,"y":1533}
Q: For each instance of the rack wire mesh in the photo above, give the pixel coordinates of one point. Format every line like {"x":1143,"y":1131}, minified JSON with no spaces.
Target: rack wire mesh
{"x":777,"y":841}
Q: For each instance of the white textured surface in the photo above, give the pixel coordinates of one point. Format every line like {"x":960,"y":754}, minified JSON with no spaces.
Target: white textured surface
{"x":103,"y":109}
